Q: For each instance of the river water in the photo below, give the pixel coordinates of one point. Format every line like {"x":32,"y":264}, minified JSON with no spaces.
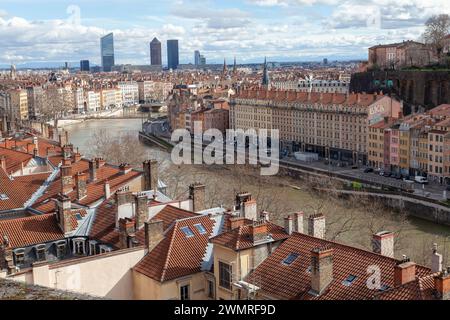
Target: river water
{"x":348,"y":222}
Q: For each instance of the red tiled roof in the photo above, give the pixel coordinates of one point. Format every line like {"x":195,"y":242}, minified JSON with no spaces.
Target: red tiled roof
{"x":419,"y":289}
{"x":14,"y":159}
{"x":177,"y":255}
{"x":27,"y":231}
{"x":20,"y":189}
{"x":294,"y":281}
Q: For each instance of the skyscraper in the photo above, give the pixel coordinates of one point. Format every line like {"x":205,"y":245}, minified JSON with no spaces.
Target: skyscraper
{"x":107,"y":52}
{"x":173,"y":59}
{"x":197,"y":57}
{"x":155,"y":52}
{"x":84,"y":65}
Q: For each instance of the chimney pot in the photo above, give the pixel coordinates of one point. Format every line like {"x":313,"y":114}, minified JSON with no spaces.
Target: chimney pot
{"x":92,"y":171}
{"x":288,"y":225}
{"x":259,"y":231}
{"x":436,"y":260}
{"x":154,"y":233}
{"x":316,"y":225}
{"x":299,"y":221}
{"x":197,"y":195}
{"x":404,"y":272}
{"x":150,"y":175}
{"x":321,"y":269}
{"x":442,"y":285}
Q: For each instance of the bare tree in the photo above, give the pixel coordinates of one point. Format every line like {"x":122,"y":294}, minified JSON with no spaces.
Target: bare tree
{"x":437,"y":27}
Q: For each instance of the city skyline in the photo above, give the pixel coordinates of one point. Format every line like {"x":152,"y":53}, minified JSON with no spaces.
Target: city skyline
{"x":282,"y":30}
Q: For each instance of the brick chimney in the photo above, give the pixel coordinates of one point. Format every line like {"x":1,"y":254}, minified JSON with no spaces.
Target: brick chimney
{"x":92,"y":171}
{"x":66,"y":178}
{"x":404,"y":272}
{"x":383,"y":243}
{"x":442,"y":285}
{"x":197,"y":195}
{"x":141,"y":208}
{"x":150,"y":175}
{"x":321,"y":269}
{"x":81,"y":186}
{"x":76,"y":157}
{"x":258,"y":231}
{"x":154,"y":233}
{"x":298,"y":217}
{"x":436,"y":259}
{"x":126,"y":233}
{"x":288,"y":225}
{"x":236,"y":222}
{"x":67,"y":152}
{"x":64,"y":215}
{"x":3,"y":163}
{"x":316,"y":225}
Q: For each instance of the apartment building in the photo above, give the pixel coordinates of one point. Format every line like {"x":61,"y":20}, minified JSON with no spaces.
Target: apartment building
{"x":146,"y":91}
{"x":16,"y":100}
{"x":37,"y":102}
{"x":130,"y":92}
{"x":93,"y":101}
{"x":334,"y":124}
{"x":324,"y":86}
{"x":111,"y":98}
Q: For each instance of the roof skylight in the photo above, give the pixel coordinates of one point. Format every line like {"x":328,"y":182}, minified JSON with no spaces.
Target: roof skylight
{"x":290,"y":258}
{"x":187,"y":231}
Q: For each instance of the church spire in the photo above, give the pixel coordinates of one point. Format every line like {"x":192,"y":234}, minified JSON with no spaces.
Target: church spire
{"x":265,"y":79}
{"x":234,"y":66}
{"x":225,"y":70}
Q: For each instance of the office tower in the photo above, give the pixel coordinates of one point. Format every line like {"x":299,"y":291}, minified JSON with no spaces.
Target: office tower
{"x":325,"y":61}
{"x":155,"y":52}
{"x":107,"y":52}
{"x":197,"y":57}
{"x":84,"y":66}
{"x":172,"y":54}
{"x":202,"y":60}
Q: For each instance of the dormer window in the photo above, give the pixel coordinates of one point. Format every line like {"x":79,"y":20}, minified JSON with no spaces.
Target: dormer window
{"x":79,"y":247}
{"x":19,"y":256}
{"x":60,"y":249}
{"x":40,"y":252}
{"x":104,"y":248}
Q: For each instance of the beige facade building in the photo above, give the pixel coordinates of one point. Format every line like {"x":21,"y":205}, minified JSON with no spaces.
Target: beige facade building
{"x":328,"y":124}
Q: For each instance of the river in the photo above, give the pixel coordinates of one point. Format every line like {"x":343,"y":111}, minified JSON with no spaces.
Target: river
{"x":350,"y":223}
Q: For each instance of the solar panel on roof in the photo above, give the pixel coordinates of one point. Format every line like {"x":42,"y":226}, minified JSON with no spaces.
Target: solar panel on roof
{"x":290,"y":258}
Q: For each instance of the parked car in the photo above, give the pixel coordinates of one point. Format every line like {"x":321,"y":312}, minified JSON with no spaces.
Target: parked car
{"x":355,"y":166}
{"x":398,"y":176}
{"x":381,"y":173}
{"x":421,"y":180}
{"x":386,"y":174}
{"x":367,"y":170}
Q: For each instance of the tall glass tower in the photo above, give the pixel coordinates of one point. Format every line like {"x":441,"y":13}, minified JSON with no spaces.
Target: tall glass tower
{"x":155,"y":52}
{"x":107,"y":52}
{"x":173,"y":59}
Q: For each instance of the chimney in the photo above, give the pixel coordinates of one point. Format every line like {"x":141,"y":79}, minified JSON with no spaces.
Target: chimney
{"x":316,"y":225}
{"x":124,"y":168}
{"x":76,"y":157}
{"x":107,"y":189}
{"x":264,"y":215}
{"x":99,"y":162}
{"x":442,"y":285}
{"x":64,"y":215}
{"x":35,"y":153}
{"x":141,"y":209}
{"x":3,"y":163}
{"x":321,"y":269}
{"x":126,"y":233}
{"x":250,"y":209}
{"x":92,"y":171}
{"x":36,"y":142}
{"x":404,"y":272}
{"x":383,"y":243}
{"x":197,"y":195}
{"x":154,"y":233}
{"x":125,"y":202}
{"x":236,"y":222}
{"x":66,"y":178}
{"x":30,"y":148}
{"x":436,"y":260}
{"x":150,"y":175}
{"x":67,"y":152}
{"x":288,"y":225}
{"x":298,"y":216}
{"x":80,"y":181}
{"x":258,"y":231}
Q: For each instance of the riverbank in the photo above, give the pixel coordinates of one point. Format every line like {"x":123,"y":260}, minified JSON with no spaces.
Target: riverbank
{"x":76,"y":119}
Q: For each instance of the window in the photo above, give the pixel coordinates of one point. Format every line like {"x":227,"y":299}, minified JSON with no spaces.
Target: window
{"x":224,"y":275}
{"x":200,"y":228}
{"x":187,"y":232}
{"x":290,"y":259}
{"x":384,"y":287}
{"x":20,"y":256}
{"x":3,"y":197}
{"x":350,"y":279}
{"x":60,"y":249}
{"x":79,"y":247}
{"x":210,"y":284}
{"x":184,"y":292}
{"x":40,"y":253}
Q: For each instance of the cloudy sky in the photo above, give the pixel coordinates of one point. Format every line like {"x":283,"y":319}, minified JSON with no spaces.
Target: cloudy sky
{"x":282,"y":30}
